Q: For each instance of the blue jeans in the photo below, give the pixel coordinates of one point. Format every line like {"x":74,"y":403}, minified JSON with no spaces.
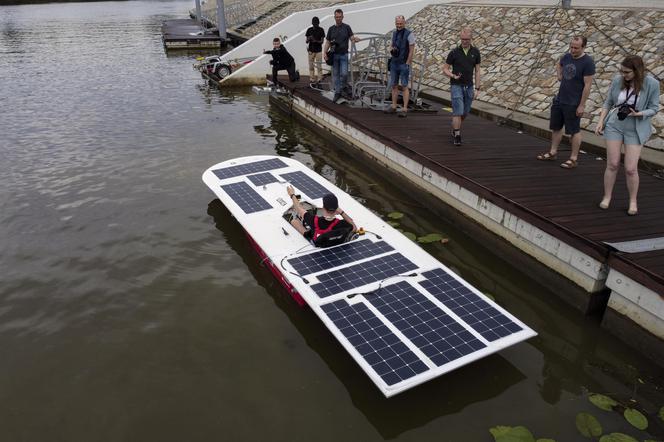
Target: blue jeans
{"x":462,"y":98}
{"x":399,"y":71}
{"x":339,"y":71}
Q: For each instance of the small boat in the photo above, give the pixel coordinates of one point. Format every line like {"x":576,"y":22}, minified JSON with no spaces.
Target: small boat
{"x":400,"y":313}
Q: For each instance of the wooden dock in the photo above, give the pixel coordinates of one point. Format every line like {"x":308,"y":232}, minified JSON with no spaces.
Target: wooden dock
{"x":497,"y":168}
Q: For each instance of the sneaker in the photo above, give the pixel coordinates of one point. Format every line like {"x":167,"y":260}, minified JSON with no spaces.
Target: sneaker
{"x":390,"y":110}
{"x":336,"y":98}
{"x":457,"y":140}
{"x":403,"y":114}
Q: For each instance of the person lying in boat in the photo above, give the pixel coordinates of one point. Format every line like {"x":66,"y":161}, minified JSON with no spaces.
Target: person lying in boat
{"x":323,"y":231}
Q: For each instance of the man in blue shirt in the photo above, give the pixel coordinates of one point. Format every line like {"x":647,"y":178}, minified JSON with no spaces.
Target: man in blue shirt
{"x":575,"y":72}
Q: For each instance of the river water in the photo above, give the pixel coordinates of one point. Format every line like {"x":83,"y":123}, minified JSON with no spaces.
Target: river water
{"x":133,"y":309}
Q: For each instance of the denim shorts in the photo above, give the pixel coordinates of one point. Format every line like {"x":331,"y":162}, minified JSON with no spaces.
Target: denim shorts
{"x":625,"y":130}
{"x":564,"y":115}
{"x":462,"y":98}
{"x":399,"y":72}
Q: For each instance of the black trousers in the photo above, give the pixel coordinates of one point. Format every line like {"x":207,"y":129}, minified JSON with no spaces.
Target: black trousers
{"x":292,"y":73}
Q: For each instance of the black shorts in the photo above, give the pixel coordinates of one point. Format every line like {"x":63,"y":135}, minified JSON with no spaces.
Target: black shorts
{"x":565,"y":115}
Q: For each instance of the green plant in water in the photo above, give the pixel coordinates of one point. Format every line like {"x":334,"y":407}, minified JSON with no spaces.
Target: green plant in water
{"x":601,"y":401}
{"x":661,"y":413}
{"x":588,"y":425}
{"x":617,"y":437}
{"x":395,"y":215}
{"x":636,"y":418}
{"x":431,"y":237}
{"x":490,"y":296}
{"x":511,"y":434}
{"x":393,"y":223}
{"x":410,"y":235}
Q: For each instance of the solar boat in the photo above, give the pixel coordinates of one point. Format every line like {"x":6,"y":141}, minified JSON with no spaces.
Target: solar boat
{"x":401,"y":314}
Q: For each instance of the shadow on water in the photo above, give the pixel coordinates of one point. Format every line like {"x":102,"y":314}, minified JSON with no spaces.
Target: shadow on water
{"x":390,"y":417}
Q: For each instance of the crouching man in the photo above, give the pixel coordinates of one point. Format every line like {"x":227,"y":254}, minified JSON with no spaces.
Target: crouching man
{"x":282,"y":60}
{"x":326,"y":230}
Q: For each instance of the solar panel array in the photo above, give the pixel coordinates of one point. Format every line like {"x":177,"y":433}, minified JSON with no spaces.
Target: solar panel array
{"x":425,"y":324}
{"x":475,"y":311}
{"x":390,"y":358}
{"x":347,"y":253}
{"x":246,"y":197}
{"x":360,"y":274}
{"x":260,"y":179}
{"x":306,"y":184}
{"x":246,"y":169}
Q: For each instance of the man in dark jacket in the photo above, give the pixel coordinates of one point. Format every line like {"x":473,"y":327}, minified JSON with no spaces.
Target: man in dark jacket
{"x":315,"y":36}
{"x":281,"y":60}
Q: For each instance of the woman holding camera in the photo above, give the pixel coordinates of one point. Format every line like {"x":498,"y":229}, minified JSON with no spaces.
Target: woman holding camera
{"x":632,"y":101}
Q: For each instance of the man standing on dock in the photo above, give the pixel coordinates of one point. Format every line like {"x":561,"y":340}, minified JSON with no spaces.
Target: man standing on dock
{"x":315,"y":36}
{"x":337,"y":39}
{"x":459,"y":66}
{"x":575,"y":72}
{"x":402,"y":50}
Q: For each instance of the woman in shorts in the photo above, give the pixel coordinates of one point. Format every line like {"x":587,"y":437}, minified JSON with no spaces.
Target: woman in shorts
{"x":631,"y":102}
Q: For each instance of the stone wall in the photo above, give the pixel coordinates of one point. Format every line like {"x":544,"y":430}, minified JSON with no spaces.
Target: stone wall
{"x":520,"y":46}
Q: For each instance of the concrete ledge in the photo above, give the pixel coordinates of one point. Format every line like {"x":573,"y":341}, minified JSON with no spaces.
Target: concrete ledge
{"x":638,"y":303}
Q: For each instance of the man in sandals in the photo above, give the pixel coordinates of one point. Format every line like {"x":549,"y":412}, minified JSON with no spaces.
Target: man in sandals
{"x":575,"y":72}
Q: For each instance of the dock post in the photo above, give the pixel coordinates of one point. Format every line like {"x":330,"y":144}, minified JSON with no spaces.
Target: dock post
{"x":221,"y":20}
{"x":199,"y":17}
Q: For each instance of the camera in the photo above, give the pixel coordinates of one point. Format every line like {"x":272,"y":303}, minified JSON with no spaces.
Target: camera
{"x":623,"y":111}
{"x":394,"y":52}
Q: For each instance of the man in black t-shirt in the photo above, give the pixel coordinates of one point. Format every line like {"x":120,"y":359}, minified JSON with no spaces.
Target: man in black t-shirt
{"x":282,"y":59}
{"x":315,"y":36}
{"x":459,"y":66}
{"x":337,"y":39}
{"x":318,"y":228}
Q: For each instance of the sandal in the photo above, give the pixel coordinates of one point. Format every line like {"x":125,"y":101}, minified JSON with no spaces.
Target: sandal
{"x":569,"y":164}
{"x":547,"y":156}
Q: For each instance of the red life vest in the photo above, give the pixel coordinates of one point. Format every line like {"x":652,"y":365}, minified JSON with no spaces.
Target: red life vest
{"x":318,"y":231}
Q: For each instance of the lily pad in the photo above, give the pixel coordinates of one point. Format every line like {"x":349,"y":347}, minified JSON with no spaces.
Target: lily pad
{"x":512,"y":434}
{"x":410,"y":235}
{"x":545,"y":440}
{"x":490,"y":296}
{"x":393,"y":223}
{"x":617,"y":437}
{"x":395,"y":215}
{"x":661,"y":413}
{"x":636,"y":418}
{"x":603,"y":402}
{"x":431,"y":237}
{"x":588,"y":425}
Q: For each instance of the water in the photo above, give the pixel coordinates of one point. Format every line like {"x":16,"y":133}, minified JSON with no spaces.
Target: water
{"x":132,"y":308}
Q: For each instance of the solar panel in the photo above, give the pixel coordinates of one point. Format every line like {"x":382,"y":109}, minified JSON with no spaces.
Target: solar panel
{"x":261,"y":179}
{"x":246,"y":197}
{"x":336,"y":256}
{"x":246,"y":169}
{"x":357,"y":275}
{"x":390,"y":358}
{"x":306,"y":184}
{"x":432,"y":330}
{"x":475,"y":311}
